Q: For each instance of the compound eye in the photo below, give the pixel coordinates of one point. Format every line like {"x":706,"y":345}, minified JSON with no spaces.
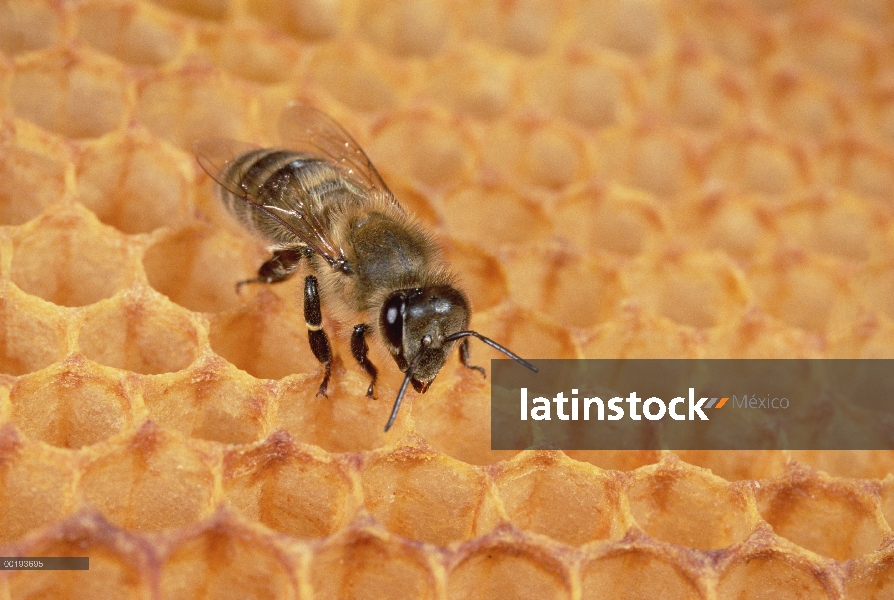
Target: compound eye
{"x":393,"y":320}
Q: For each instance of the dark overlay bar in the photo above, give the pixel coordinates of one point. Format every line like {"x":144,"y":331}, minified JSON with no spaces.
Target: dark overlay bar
{"x":705,"y":404}
{"x":45,"y":563}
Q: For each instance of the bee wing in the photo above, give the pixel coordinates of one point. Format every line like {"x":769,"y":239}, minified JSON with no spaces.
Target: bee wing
{"x":216,"y":155}
{"x":307,"y":129}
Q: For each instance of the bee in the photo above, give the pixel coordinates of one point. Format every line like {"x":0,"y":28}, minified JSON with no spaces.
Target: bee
{"x":320,"y":201}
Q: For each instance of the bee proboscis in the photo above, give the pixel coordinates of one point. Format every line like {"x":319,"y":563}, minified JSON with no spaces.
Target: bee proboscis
{"x":319,"y":199}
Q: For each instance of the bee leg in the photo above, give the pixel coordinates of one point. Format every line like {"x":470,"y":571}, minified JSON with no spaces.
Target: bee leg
{"x":464,"y":357}
{"x":319,"y":341}
{"x":279,"y":267}
{"x":359,"y":349}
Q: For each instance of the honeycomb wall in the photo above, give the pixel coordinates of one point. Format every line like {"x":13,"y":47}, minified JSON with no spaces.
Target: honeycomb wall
{"x":629,"y":178}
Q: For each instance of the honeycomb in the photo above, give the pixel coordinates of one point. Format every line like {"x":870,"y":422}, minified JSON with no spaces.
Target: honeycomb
{"x":627,"y":178}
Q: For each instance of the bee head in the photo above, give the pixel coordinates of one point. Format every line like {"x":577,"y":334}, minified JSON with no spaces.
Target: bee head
{"x":415,"y":324}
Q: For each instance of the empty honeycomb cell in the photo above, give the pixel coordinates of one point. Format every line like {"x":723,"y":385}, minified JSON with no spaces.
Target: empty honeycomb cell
{"x":866,"y":338}
{"x":228,"y":560}
{"x":423,"y":148}
{"x":409,"y":28}
{"x":25,"y":173}
{"x":133,"y":184}
{"x":474,"y":79}
{"x":733,"y":223}
{"x":587,"y":88}
{"x":865,"y":169}
{"x":616,"y":460}
{"x":427,"y":497}
{"x":75,"y":94}
{"x":482,"y":278}
{"x":540,"y":154}
{"x":619,"y":220}
{"x":839,"y":519}
{"x":361,"y":565}
{"x":32,"y":334}
{"x":206,"y":9}
{"x":566,"y":500}
{"x":758,"y":335}
{"x":800,"y":289}
{"x":140,"y":332}
{"x":198,"y":267}
{"x":871,"y":579}
{"x":68,"y":258}
{"x":858,"y":464}
{"x":150,"y":482}
{"x":642,"y":334}
{"x":27,"y":26}
{"x":758,"y":164}
{"x":698,"y":91}
{"x":72,"y":404}
{"x":831,"y":47}
{"x":494,"y":217}
{"x":527,"y":26}
{"x":297,"y":491}
{"x":37,"y":485}
{"x":193,"y":103}
{"x":696,"y":289}
{"x":634,"y":574}
{"x":311,"y":19}
{"x":265,"y":337}
{"x":636,"y":27}
{"x":736,"y":32}
{"x":655,"y":161}
{"x":737,"y":465}
{"x":249,"y":54}
{"x":119,"y":567}
{"x":354,"y":78}
{"x":803,"y":105}
{"x":550,"y":280}
{"x":768,"y":573}
{"x":508,"y":569}
{"x":718,"y":519}
{"x":131,"y":33}
{"x":212,"y":400}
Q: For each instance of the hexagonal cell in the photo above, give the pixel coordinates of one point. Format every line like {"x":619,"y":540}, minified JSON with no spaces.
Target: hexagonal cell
{"x":616,"y":460}
{"x":212,"y":400}
{"x":733,"y":223}
{"x":837,"y":518}
{"x":802,"y":105}
{"x":546,"y":493}
{"x":718,"y":514}
{"x":356,"y":77}
{"x":206,"y":9}
{"x":288,"y":488}
{"x":72,"y":404}
{"x":423,"y":147}
{"x":830,"y":46}
{"x":78,"y":95}
{"x":637,"y":574}
{"x":614,"y":219}
{"x":119,"y":568}
{"x":312,"y":19}
{"x":27,"y":26}
{"x":636,"y":27}
{"x":872,"y":579}
{"x":736,"y":32}
{"x":228,"y":560}
{"x":769,"y":573}
{"x":510,"y":570}
{"x":193,"y":103}
{"x":68,"y":258}
{"x":659,"y":161}
{"x":759,"y":163}
{"x":737,"y":465}
{"x":265,"y":337}
{"x":199,"y":266}
{"x":576,"y":291}
{"x":151,"y":482}
{"x":32,"y":333}
{"x":473,"y":79}
{"x":695,"y":289}
{"x":533,"y":152}
{"x":855,"y":464}
{"x":426,"y":496}
{"x":481,"y":276}
{"x":758,"y":335}
{"x":133,"y":183}
{"x":642,"y":334}
{"x":133,"y":33}
{"x":498,"y":216}
{"x":257,"y":56}
{"x":30,"y":181}
{"x":527,"y":27}
{"x":364,"y":565}
{"x":36,"y":485}
{"x":142,"y":333}
{"x":700,"y":92}
{"x":415,"y":28}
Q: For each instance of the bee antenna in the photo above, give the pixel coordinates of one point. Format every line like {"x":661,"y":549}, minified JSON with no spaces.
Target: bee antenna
{"x":403,"y":388}
{"x":492,"y":344}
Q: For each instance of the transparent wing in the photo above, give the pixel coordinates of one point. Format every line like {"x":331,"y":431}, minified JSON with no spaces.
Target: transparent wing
{"x":306,"y":129}
{"x":220,"y":158}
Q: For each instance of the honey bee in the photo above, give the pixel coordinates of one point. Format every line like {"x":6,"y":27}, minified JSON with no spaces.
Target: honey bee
{"x":320,"y":200}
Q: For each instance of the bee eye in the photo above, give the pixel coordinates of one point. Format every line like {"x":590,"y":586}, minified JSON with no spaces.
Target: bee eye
{"x":393,"y":320}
